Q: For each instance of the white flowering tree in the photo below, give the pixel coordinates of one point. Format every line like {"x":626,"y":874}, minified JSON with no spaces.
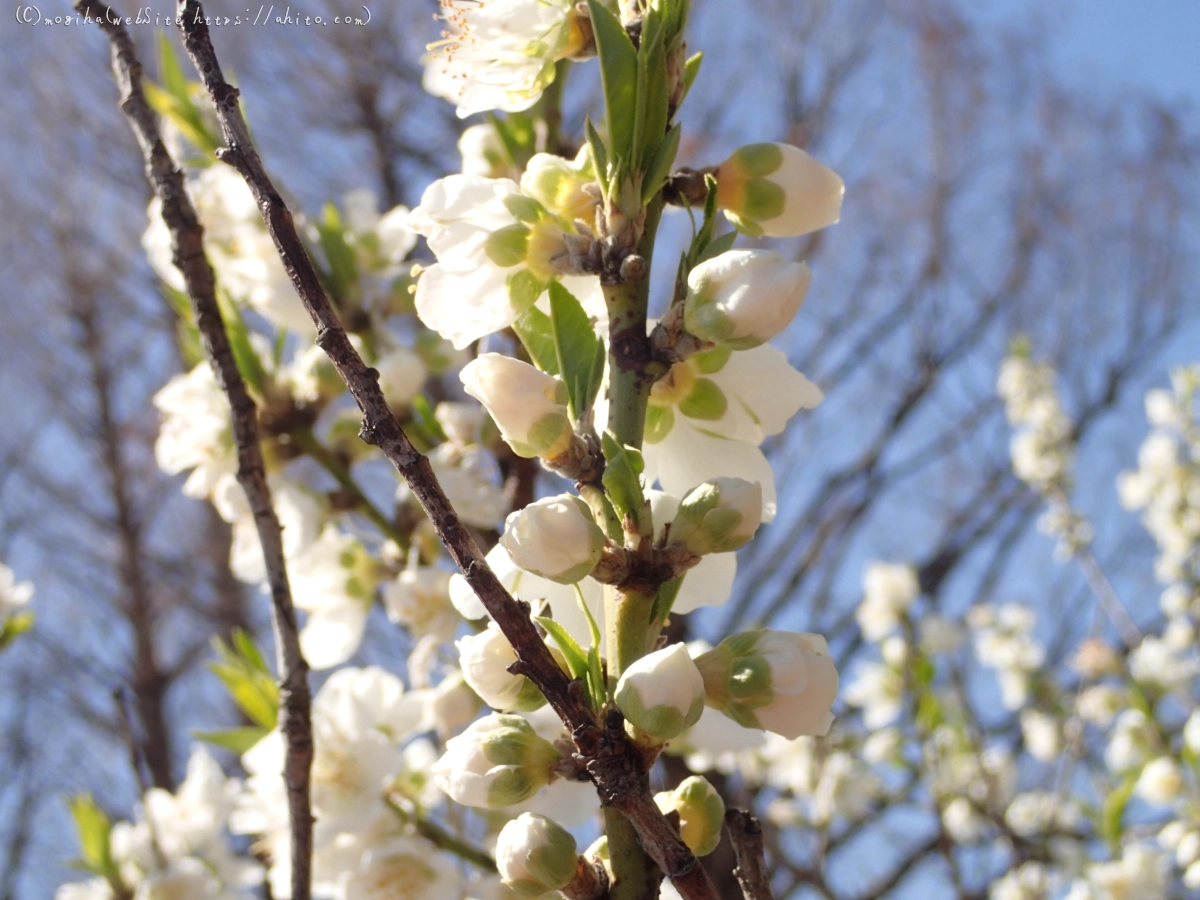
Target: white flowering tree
{"x":369,"y":414}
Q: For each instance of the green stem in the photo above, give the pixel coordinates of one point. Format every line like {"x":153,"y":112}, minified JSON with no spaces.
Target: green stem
{"x":630,"y":636}
{"x":631,"y":371}
{"x":307,"y":441}
{"x":631,"y":882}
{"x":436,"y":834}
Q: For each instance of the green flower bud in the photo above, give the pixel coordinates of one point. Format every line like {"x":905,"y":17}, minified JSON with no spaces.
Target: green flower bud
{"x":701,"y":813}
{"x":498,"y":761}
{"x":718,"y":516}
{"x":535,"y":855}
{"x":778,"y":190}
{"x":662,"y":693}
{"x":528,"y":406}
{"x":779,"y":681}
{"x":555,"y":538}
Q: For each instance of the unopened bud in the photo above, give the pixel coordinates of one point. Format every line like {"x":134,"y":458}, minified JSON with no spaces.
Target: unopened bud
{"x":563,"y":186}
{"x":718,"y":516}
{"x":485,"y":658}
{"x":555,"y":538}
{"x":779,"y":681}
{"x":701,"y":813}
{"x":498,"y":761}
{"x":662,"y":693}
{"x":535,"y":855}
{"x":528,"y":406}
{"x":743,"y":298}
{"x":778,"y":190}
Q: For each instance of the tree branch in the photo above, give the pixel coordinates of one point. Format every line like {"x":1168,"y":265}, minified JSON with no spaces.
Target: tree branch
{"x":607,"y":754}
{"x":745,"y":833}
{"x":188,"y":254}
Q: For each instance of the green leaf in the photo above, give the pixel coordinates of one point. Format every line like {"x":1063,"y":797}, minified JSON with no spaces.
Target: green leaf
{"x":576,"y":659}
{"x":575,"y":346}
{"x":238,"y":740}
{"x":717,"y":246}
{"x":621,"y":478}
{"x":174,"y":82}
{"x":244,"y":673}
{"x":690,"y":70}
{"x":518,"y":135}
{"x":244,"y":353}
{"x":659,"y":167}
{"x":653,"y":91}
{"x":15,"y":626}
{"x":619,"y":73}
{"x":343,"y":269}
{"x":1114,"y":809}
{"x":664,"y":599}
{"x":94,"y":829}
{"x":599,"y":154}
{"x":597,"y":689}
{"x":536,"y":332}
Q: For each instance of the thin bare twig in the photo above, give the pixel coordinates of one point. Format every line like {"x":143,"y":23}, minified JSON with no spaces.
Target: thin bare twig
{"x":187,"y":250}
{"x":607,"y":754}
{"x":745,"y":833}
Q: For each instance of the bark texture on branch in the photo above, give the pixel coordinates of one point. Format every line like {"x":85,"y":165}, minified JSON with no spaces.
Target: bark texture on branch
{"x":601,"y":748}
{"x":187,"y":251}
{"x":746,"y":834}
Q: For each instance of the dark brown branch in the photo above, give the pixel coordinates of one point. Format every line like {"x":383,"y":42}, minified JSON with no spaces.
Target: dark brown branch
{"x":609,"y":757}
{"x":745,"y":833}
{"x":188,"y":254}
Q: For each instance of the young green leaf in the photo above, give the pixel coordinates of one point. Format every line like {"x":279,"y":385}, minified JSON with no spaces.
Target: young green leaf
{"x":572,"y":652}
{"x":575,"y":344}
{"x":619,"y":74}
{"x":244,"y":353}
{"x":536,"y":332}
{"x":690,"y":70}
{"x":621,"y":478}
{"x":243,"y":671}
{"x":237,"y":740}
{"x":660,"y":165}
{"x":15,"y":626}
{"x":343,"y":270}
{"x":599,"y":154}
{"x":94,"y":831}
{"x":664,"y":599}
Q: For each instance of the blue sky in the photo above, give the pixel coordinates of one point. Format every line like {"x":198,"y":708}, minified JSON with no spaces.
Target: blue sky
{"x":1150,"y":44}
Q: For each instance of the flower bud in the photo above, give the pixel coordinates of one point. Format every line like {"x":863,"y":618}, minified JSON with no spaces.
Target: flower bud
{"x":718,"y":516}
{"x":528,"y":406}
{"x":485,"y":658}
{"x":779,"y":681}
{"x":496,"y":762}
{"x":555,"y":538}
{"x":701,"y":813}
{"x":567,"y":188}
{"x":743,"y":298}
{"x":662,"y":693}
{"x":778,"y":190}
{"x":535,"y":855}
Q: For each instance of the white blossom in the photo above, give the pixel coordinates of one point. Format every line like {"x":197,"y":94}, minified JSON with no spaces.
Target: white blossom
{"x":889,"y":590}
{"x":196,"y":431}
{"x":14,"y":595}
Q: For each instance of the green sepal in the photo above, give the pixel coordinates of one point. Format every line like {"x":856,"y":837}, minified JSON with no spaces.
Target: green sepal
{"x":244,"y":673}
{"x":237,"y":740}
{"x":619,"y":74}
{"x":706,"y":401}
{"x":536,"y":333}
{"x":576,"y":346}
